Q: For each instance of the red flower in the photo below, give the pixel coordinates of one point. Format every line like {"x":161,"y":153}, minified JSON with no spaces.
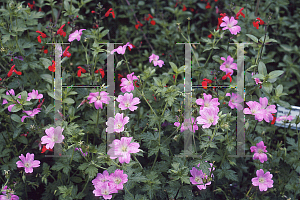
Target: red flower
{"x":80,"y":70}
{"x":40,"y":105}
{"x":184,"y":8}
{"x":135,"y":84}
{"x":153,"y":22}
{"x":30,"y":5}
{"x":208,"y":5}
{"x":192,"y":9}
{"x":67,"y":53}
{"x":150,"y":16}
{"x":120,"y":76}
{"x":95,"y":26}
{"x":13,"y":70}
{"x":11,"y":60}
{"x":92,"y":11}
{"x":25,"y":135}
{"x":227,"y":76}
{"x":130,"y":48}
{"x":100,"y":71}
{"x":45,"y":149}
{"x":136,"y":26}
{"x":45,"y":51}
{"x":205,"y":81}
{"x":240,"y":13}
{"x":210,"y":35}
{"x":274,"y":119}
{"x":61,"y":32}
{"x":220,"y":20}
{"x":174,"y":77}
{"x":110,"y":11}
{"x":52,"y":67}
{"x":258,"y":22}
{"x":216,"y":0}
{"x":40,"y":10}
{"x":39,"y":37}
{"x":176,"y":5}
{"x":154,"y":97}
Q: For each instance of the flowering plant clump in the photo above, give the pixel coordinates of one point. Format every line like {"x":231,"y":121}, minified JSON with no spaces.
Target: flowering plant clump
{"x":132,"y":100}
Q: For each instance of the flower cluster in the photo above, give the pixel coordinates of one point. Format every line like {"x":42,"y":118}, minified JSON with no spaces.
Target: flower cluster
{"x":79,"y":149}
{"x":8,"y":194}
{"x":228,"y":65}
{"x":259,"y":150}
{"x":199,"y":178}
{"x":235,"y":100}
{"x":106,"y":184}
{"x":187,"y":124}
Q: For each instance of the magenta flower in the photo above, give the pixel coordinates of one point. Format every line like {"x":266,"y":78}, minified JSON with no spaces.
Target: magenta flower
{"x":31,"y":113}
{"x":209,"y":116}
{"x":230,"y":24}
{"x":127,"y":101}
{"x":116,"y":124}
{"x":285,"y":118}
{"x":187,"y":124}
{"x":197,"y":178}
{"x":263,"y":180}
{"x":156,"y":62}
{"x":101,"y":179}
{"x":267,"y":110}
{"x":76,"y":35}
{"x":9,"y":196}
{"x":257,"y":81}
{"x":259,"y":150}
{"x":34,"y":95}
{"x":228,"y":65}
{"x":105,"y":190}
{"x":84,"y":154}
{"x":54,"y":135}
{"x":235,"y":100}
{"x":208,"y":102}
{"x":128,"y":83}
{"x":123,"y":148}
{"x":28,"y":163}
{"x":12,"y":92}
{"x":118,"y":179}
{"x":99,"y":99}
{"x":255,"y":109}
{"x":121,"y":49}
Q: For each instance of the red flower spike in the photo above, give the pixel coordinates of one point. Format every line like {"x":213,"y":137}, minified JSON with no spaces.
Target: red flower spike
{"x":210,"y":35}
{"x":130,"y":48}
{"x":40,"y":105}
{"x":68,"y":22}
{"x":216,"y":0}
{"x":153,"y":22}
{"x":140,"y":23}
{"x":261,"y":22}
{"x":135,"y":84}
{"x":255,"y":24}
{"x":208,"y":5}
{"x":174,"y":77}
{"x":101,"y":71}
{"x":40,"y":10}
{"x":136,"y":26}
{"x":61,"y":32}
{"x":30,"y":6}
{"x":42,"y":34}
{"x":45,"y":51}
{"x":192,"y":9}
{"x":13,"y":70}
{"x":120,"y":76}
{"x":110,"y":11}
{"x":33,"y":2}
{"x":11,"y":60}
{"x":39,"y":39}
{"x":274,"y":119}
{"x":204,"y":83}
{"x":151,"y":17}
{"x":184,"y":8}
{"x":176,"y":5}
{"x":45,"y":149}
{"x":227,"y":76}
{"x":52,"y":67}
{"x":92,"y":11}
{"x":240,"y":13}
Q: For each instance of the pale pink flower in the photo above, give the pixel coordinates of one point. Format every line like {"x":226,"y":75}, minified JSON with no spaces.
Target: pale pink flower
{"x":105,"y":190}
{"x":28,"y":163}
{"x":197,"y":178}
{"x":208,"y":102}
{"x":257,"y":81}
{"x":8,"y":194}
{"x":263,"y":180}
{"x":123,"y":148}
{"x":120,"y":122}
{"x":30,"y":113}
{"x":285,"y":118}
{"x":235,"y":100}
{"x":76,"y":35}
{"x":54,"y":135}
{"x":155,"y":60}
{"x":121,"y":49}
{"x":209,"y":116}
{"x":118,"y":179}
{"x":254,"y":109}
{"x":230,"y":24}
{"x":34,"y":95}
{"x":228,"y":65}
{"x":259,"y":150}
{"x":267,"y":110}
{"x":101,"y":179}
{"x":110,"y":125}
{"x":187,"y":124}
{"x":12,"y":92}
{"x":127,"y":101}
{"x":127,"y":84}
{"x":99,"y":99}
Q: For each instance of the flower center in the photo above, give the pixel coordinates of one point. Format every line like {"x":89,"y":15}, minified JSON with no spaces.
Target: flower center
{"x":127,"y":104}
{"x":26,"y":164}
{"x":118,"y":180}
{"x":129,"y":82}
{"x":198,"y":179}
{"x":105,"y":192}
{"x":227,"y":65}
{"x":206,"y":104}
{"x":55,"y":138}
{"x":229,"y":25}
{"x":119,"y":126}
{"x":261,"y":180}
{"x":124,"y":148}
{"x":211,"y":120}
{"x":260,"y":151}
{"x":98,"y":97}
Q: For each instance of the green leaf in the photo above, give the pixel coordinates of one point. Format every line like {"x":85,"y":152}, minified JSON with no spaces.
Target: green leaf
{"x":253,"y":38}
{"x":157,"y":81}
{"x":5,"y":38}
{"x":279,"y":90}
{"x":275,"y":74}
{"x":16,"y":118}
{"x":22,"y":139}
{"x":24,"y":96}
{"x":17,"y":132}
{"x":231,"y":175}
{"x":83,"y":166}
{"x":46,"y":62}
{"x":268,"y":87}
{"x":49,"y":108}
{"x":68,"y":101}
{"x":174,"y":67}
{"x":262,"y":68}
{"x":260,"y":76}
{"x":16,"y":108}
{"x":286,"y":47}
{"x":46,"y":77}
{"x":91,"y":171}
{"x":76,"y":179}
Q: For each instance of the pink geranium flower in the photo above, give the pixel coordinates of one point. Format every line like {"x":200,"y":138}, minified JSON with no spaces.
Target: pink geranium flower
{"x":208,"y":102}
{"x":8,"y":194}
{"x":123,"y":148}
{"x":128,"y":102}
{"x":263,"y":180}
{"x":118,"y":179}
{"x":155,"y":60}
{"x":31,"y":113}
{"x":187,"y":124}
{"x":28,"y":163}
{"x":127,"y":84}
{"x":255,"y":109}
{"x":76,"y":35}
{"x":267,"y":110}
{"x":54,"y":135}
{"x":199,"y":176}
{"x":230,"y":24}
{"x":34,"y":95}
{"x":121,"y":49}
{"x":99,"y":99}
{"x":12,"y":92}
{"x":285,"y":118}
{"x":228,"y":65}
{"x":120,"y":122}
{"x":259,"y":150}
{"x":105,"y":190}
{"x":235,"y":100}
{"x":101,"y":179}
{"x":209,"y":116}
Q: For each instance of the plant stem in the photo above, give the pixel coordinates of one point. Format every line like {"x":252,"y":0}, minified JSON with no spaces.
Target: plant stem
{"x":137,"y":161}
{"x":127,"y":64}
{"x":249,"y":191}
{"x":128,"y":191}
{"x":146,"y":101}
{"x":96,"y":125}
